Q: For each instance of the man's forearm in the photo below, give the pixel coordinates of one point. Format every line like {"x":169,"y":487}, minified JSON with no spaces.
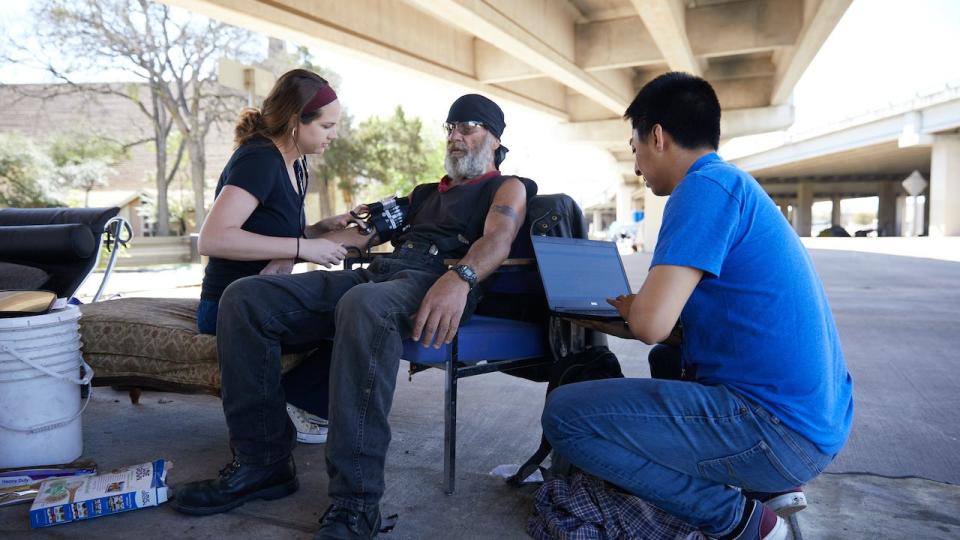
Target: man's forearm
{"x":486,"y":255}
{"x":315,"y":230}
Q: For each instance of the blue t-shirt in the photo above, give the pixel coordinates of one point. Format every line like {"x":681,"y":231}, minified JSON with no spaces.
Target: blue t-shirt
{"x":258,"y":168}
{"x":758,"y":322}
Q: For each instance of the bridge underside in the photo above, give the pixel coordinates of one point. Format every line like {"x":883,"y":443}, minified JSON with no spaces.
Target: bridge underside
{"x":578,"y":60}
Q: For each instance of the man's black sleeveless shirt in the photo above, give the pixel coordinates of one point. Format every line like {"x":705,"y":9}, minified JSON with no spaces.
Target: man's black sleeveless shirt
{"x":454,"y":219}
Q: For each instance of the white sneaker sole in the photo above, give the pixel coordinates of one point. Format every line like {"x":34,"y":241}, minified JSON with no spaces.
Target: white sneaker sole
{"x":780,"y":531}
{"x":787,"y":504}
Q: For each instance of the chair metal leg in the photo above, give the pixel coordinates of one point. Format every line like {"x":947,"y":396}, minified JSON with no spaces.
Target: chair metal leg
{"x":450,"y":423}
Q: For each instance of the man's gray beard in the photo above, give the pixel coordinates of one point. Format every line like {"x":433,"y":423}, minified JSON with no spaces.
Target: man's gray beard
{"x":472,"y":164}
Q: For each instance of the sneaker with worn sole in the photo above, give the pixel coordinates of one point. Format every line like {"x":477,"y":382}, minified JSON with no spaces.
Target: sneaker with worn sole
{"x":784,"y":503}
{"x":311,"y":429}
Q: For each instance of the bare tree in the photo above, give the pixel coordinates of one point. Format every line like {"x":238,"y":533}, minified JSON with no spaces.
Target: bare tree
{"x":173,"y":53}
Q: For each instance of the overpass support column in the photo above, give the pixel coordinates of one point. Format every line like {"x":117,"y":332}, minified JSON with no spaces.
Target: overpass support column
{"x":835,"y":215}
{"x":652,"y":218}
{"x":625,"y":203}
{"x":887,"y":210}
{"x":803,"y":211}
{"x":944,"y":192}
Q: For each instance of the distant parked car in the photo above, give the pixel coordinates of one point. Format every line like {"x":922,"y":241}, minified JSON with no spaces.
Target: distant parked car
{"x":835,"y":231}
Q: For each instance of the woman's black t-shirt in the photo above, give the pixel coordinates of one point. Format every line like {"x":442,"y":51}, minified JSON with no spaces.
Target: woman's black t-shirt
{"x":258,"y":168}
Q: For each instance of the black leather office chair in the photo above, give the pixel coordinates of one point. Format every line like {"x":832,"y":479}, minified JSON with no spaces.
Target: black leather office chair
{"x":56,"y":249}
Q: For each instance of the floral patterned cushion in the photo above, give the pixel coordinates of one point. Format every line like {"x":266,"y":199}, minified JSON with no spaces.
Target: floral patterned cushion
{"x":152,"y":343}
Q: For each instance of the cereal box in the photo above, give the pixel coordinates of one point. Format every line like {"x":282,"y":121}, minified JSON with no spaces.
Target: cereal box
{"x":62,"y":500}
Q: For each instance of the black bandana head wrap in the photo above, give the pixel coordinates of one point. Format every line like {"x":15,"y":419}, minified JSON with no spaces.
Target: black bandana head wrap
{"x":476,"y":108}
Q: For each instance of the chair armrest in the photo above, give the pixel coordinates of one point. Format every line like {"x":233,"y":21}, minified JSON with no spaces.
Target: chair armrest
{"x":506,"y":262}
{"x":46,"y":243}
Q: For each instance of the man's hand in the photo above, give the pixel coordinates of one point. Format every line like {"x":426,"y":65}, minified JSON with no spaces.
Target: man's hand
{"x":440,"y":312}
{"x":340,"y":221}
{"x":278,"y":266}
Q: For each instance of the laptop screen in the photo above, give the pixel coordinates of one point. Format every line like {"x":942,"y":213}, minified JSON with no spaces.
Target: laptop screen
{"x":579,"y":274}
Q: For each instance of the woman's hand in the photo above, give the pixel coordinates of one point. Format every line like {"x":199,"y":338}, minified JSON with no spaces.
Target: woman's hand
{"x":278,"y":266}
{"x":321,"y":251}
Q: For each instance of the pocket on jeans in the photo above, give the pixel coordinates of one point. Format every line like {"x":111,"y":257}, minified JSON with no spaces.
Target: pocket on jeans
{"x":756,"y":469}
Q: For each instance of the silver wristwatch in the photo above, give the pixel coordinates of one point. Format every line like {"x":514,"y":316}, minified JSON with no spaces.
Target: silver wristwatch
{"x":466,"y":273}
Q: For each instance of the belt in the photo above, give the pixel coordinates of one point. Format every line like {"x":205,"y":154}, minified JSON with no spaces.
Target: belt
{"x":418,"y":247}
{"x":420,"y":252}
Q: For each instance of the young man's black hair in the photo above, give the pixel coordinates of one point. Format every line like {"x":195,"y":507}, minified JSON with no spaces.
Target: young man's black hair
{"x":685,"y":106}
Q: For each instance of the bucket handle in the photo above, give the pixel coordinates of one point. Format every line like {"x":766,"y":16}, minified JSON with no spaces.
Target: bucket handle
{"x":85,"y":381}
{"x":51,"y":425}
{"x":87,"y":370}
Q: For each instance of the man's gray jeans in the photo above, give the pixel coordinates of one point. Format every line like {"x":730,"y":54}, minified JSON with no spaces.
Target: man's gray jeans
{"x":367,"y":313}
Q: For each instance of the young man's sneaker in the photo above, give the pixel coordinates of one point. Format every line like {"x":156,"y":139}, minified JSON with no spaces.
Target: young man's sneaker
{"x":759,"y":523}
{"x":784,"y":503}
{"x":311,"y":429}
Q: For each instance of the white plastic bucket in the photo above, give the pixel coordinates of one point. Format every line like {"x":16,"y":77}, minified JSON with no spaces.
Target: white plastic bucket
{"x":40,"y":389}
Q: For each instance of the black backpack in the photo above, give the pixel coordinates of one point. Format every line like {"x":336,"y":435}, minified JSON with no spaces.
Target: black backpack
{"x":590,"y":364}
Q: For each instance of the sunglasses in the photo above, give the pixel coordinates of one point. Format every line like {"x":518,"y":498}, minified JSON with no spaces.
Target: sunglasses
{"x":463,"y":128}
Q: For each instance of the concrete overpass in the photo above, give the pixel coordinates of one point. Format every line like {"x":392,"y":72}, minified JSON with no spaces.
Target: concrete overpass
{"x":870,"y":156}
{"x":580,"y":61}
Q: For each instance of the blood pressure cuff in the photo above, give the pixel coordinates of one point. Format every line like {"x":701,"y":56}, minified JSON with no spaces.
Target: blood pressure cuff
{"x":388,"y":217}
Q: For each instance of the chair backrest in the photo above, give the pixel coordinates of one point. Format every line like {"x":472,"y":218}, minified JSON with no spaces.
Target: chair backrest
{"x":63,"y":242}
{"x":516,"y":292}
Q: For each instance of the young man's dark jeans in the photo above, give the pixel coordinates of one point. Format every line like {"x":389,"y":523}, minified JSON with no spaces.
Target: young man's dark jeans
{"x":367,"y":313}
{"x":679,"y":444}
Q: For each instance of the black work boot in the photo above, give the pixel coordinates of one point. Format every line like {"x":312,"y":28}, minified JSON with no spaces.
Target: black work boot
{"x":237,"y":484}
{"x":339,"y":523}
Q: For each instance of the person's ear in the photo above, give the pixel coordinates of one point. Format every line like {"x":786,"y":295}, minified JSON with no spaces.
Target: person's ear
{"x":657,"y":134}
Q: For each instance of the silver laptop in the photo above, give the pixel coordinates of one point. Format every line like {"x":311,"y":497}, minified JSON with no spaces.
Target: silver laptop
{"x":579,"y":275}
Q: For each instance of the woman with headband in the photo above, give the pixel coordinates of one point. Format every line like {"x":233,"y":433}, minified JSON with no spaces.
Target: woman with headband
{"x":257,"y":223}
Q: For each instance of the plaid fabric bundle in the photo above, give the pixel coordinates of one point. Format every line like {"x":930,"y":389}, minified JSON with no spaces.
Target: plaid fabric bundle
{"x":583,"y":507}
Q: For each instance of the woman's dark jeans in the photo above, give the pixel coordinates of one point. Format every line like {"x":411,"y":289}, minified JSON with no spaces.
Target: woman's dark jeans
{"x":306,"y":386}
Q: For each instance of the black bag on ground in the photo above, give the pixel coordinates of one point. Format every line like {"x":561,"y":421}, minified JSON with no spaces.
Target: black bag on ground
{"x":593,"y":363}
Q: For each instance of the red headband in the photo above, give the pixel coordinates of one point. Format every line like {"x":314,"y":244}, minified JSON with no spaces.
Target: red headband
{"x":325,"y":95}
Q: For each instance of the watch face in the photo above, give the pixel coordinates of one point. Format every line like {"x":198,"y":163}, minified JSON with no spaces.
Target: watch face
{"x":466,"y":273}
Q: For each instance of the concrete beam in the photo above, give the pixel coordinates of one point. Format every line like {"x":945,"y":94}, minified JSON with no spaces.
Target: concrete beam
{"x":792,"y":64}
{"x":613,"y":134}
{"x":826,"y":191}
{"x":666,"y":22}
{"x":399,"y":35}
{"x":547,"y":90}
{"x":742,"y":93}
{"x":729,"y":28}
{"x":493,"y":65}
{"x":721,"y":30}
{"x":484,"y":21}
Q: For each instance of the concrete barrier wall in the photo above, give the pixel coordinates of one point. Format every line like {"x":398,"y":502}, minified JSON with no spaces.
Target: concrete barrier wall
{"x":943,"y":248}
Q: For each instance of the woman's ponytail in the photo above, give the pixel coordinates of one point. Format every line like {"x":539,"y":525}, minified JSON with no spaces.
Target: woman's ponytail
{"x":249,"y":125}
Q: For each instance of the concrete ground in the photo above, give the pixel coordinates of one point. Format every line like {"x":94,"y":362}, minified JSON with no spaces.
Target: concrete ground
{"x":896,"y":314}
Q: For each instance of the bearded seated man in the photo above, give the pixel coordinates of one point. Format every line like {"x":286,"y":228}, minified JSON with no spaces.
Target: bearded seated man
{"x":473,"y":214}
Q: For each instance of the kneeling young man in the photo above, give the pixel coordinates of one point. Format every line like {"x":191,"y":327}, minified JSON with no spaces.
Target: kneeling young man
{"x":766,"y":400}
